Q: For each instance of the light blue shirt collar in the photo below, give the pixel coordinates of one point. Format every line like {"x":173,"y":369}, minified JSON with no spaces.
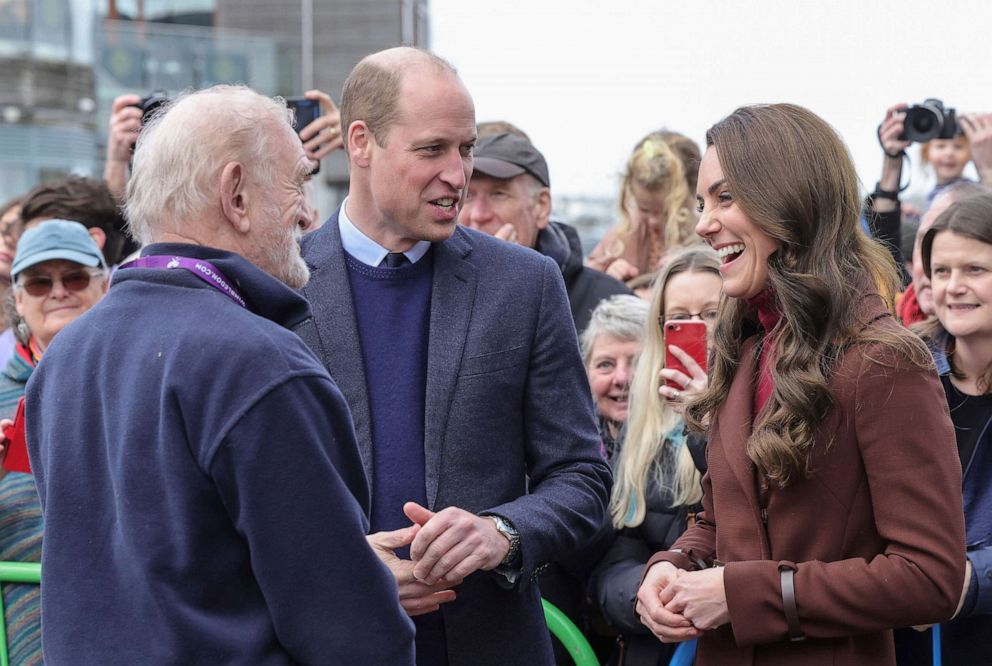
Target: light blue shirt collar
{"x":366,"y":250}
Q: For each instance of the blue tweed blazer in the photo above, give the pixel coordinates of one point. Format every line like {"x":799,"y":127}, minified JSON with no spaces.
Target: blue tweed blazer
{"x":509,"y":425}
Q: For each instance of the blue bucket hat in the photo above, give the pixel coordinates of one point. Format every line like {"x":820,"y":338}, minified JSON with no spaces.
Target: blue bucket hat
{"x":56,"y":239}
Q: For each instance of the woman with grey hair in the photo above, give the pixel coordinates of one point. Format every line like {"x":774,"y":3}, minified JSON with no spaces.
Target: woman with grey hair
{"x":610,"y":343}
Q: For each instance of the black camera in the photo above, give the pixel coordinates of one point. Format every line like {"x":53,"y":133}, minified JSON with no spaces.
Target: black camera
{"x":149,"y":104}
{"x":929,"y":120}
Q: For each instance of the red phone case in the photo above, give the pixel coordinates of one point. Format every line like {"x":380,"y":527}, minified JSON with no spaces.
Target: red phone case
{"x":17,"y":446}
{"x":690,"y":337}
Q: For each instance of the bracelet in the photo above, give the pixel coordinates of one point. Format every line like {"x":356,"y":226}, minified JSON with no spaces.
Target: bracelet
{"x":879,"y":193}
{"x":789,"y":603}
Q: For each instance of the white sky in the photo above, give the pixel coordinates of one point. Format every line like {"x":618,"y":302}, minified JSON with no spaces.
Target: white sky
{"x":586,"y":79}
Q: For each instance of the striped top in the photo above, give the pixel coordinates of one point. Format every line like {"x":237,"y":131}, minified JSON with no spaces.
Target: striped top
{"x":13,"y":379}
{"x":20,"y":541}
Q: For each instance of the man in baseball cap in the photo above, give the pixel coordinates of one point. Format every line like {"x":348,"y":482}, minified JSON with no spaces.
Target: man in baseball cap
{"x":509,"y":197}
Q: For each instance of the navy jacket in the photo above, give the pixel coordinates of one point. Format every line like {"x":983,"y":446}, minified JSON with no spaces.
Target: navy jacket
{"x":586,"y":286}
{"x":509,"y":420}
{"x":198,"y":473}
{"x":968,"y":638}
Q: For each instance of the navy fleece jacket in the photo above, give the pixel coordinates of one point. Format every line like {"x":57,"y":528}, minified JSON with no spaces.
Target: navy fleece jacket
{"x":198,"y":473}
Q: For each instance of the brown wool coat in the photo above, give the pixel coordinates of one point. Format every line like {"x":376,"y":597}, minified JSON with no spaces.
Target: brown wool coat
{"x":876,"y":534}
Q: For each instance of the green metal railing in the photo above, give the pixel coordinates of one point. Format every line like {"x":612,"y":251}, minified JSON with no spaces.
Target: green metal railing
{"x":558,"y":623}
{"x":14,"y":572}
{"x":565,"y":631}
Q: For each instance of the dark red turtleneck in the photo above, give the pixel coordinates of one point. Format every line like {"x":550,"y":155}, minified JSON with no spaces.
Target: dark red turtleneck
{"x":768,"y":317}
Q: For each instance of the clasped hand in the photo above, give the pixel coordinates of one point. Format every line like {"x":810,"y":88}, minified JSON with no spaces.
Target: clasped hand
{"x":445,"y":547}
{"x":677,"y":605}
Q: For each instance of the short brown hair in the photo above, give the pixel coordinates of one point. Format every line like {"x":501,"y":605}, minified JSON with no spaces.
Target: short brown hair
{"x":84,"y":200}
{"x":372,"y":91}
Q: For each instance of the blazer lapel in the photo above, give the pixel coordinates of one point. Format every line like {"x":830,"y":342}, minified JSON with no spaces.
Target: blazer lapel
{"x":734,"y":425}
{"x":452,"y":298}
{"x":329,"y":293}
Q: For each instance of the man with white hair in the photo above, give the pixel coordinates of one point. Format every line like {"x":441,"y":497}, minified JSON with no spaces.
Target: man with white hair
{"x":200,"y":499}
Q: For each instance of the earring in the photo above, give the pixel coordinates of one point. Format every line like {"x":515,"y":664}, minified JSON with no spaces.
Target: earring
{"x":23,"y":332}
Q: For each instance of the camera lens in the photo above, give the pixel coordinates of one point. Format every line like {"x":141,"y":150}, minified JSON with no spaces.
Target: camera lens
{"x":923,"y":123}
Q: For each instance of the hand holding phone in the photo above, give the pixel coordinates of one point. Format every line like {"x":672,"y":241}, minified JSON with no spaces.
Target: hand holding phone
{"x":690,"y":337}
{"x":305,"y":112}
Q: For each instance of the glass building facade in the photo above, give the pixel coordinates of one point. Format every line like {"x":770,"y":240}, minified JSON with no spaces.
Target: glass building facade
{"x":62,"y":63}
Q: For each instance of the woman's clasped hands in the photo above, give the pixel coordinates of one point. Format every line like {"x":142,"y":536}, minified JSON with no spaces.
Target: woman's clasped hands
{"x":678,"y":605}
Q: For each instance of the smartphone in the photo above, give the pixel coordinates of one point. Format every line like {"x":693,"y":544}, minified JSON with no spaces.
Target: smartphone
{"x":690,"y":337}
{"x":17,"y":446}
{"x":305,"y":112}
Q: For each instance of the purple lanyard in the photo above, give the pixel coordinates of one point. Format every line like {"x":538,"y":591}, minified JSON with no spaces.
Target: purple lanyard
{"x":198,"y":267}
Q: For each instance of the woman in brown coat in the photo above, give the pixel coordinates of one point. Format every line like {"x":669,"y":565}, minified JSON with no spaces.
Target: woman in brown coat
{"x":832,"y":503}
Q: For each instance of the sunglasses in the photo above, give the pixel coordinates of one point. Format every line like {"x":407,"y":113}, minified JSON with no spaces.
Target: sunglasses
{"x":41,"y":285}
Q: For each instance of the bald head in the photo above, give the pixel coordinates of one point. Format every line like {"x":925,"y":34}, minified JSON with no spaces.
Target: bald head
{"x":181,"y":152}
{"x":372,"y":90}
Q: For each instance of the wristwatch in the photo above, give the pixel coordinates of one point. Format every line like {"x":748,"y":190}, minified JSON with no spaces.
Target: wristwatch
{"x":506,"y":528}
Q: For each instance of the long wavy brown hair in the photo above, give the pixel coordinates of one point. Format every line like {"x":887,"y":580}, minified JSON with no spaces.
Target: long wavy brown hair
{"x":793,"y":177}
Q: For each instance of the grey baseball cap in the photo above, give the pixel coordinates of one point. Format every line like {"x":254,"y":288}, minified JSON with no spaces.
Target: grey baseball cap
{"x":508,"y":155}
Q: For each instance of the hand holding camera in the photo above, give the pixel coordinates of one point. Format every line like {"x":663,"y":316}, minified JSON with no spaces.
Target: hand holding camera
{"x":891,"y":132}
{"x":128,"y":113}
{"x":978,"y":128}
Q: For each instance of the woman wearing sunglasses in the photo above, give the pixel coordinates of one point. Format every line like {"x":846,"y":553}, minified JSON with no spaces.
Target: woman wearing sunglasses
{"x":58,"y":274}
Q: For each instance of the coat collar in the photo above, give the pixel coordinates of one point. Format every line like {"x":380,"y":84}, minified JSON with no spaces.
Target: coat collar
{"x":734,"y":420}
{"x":734,"y":423}
{"x":264,"y":295}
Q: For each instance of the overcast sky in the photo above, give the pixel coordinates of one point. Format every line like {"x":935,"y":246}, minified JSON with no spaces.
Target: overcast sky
{"x":586,"y":79}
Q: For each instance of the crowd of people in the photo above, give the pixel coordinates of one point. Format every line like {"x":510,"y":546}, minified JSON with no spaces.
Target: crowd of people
{"x":756,"y":417}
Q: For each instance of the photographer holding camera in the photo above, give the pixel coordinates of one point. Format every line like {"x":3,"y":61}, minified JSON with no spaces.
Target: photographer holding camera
{"x":122,"y":132}
{"x":129,"y":112}
{"x":949,"y":142}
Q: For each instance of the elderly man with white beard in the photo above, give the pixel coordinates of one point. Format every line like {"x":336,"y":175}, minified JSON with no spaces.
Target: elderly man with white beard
{"x":203,"y":494}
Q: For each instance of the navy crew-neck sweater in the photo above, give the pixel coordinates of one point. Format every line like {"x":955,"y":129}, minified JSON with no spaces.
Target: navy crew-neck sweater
{"x":392,"y":306}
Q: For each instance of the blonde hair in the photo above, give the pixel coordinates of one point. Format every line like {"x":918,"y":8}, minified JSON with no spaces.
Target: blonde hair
{"x":655,"y":166}
{"x":648,"y":451}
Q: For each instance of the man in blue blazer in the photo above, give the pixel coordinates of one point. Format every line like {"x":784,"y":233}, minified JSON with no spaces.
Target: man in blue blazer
{"x":457,"y":355}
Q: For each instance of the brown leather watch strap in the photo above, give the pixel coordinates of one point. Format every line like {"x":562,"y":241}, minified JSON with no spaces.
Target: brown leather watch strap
{"x":789,"y":603}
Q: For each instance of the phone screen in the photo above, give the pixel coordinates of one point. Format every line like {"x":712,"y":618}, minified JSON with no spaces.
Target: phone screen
{"x":16,"y":459}
{"x":305,"y":112}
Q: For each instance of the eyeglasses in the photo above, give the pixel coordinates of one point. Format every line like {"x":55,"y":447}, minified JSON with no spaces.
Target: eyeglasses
{"x":41,"y":285}
{"x":706,"y":315}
